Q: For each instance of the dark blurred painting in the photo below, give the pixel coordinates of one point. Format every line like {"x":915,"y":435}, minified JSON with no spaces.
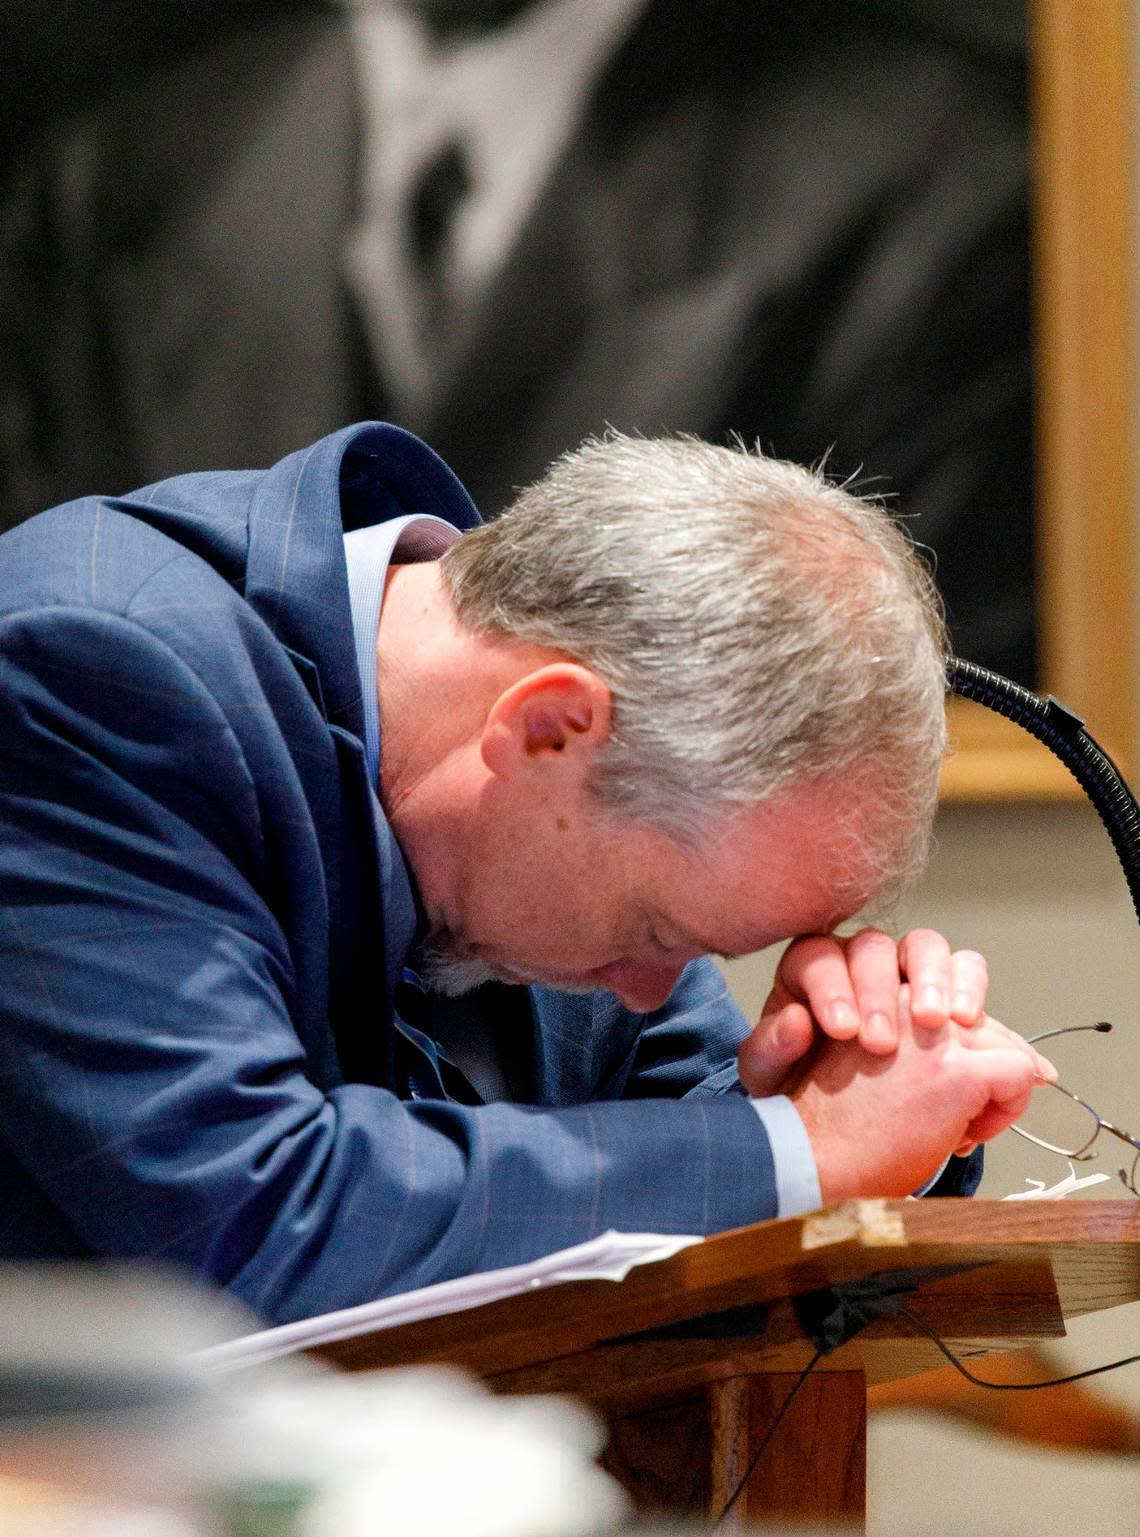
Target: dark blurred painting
{"x":228,"y":229}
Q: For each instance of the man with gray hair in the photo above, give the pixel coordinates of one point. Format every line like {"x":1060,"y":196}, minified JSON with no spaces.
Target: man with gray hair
{"x":361,"y":878}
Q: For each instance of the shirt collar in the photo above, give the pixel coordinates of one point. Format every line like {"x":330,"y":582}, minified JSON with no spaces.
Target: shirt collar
{"x":369,"y":552}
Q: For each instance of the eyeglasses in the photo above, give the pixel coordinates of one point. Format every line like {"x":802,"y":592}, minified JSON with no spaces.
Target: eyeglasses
{"x":1062,"y":1122}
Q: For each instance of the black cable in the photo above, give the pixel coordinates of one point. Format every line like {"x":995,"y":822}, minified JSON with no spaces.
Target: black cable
{"x":923,"y":1328}
{"x":1066,"y":736}
{"x":1009,"y":1387}
{"x":767,"y":1441}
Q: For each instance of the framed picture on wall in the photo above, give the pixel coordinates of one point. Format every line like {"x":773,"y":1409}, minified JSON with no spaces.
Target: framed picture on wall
{"x":1081,"y":131}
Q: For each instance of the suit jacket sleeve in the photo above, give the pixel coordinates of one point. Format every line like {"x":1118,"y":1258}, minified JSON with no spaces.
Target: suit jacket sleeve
{"x":155,"y":1086}
{"x":689,"y":1048}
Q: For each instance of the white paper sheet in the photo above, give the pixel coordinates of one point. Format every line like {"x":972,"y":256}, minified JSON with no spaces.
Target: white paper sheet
{"x":609,"y":1257}
{"x":1057,"y":1192}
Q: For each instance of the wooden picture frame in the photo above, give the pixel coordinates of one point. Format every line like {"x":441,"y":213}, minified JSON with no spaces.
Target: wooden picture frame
{"x":1082,"y":112}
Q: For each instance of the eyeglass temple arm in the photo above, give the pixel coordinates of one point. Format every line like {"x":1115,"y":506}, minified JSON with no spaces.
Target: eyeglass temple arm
{"x":1102,"y":1027}
{"x":1125,"y":1136}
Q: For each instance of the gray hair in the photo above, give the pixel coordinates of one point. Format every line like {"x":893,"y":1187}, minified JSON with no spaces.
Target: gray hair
{"x":756,"y":624}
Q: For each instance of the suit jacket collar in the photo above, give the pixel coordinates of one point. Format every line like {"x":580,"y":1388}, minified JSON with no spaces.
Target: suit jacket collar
{"x":297,"y":581}
{"x":278,"y":536}
{"x":296,"y":578}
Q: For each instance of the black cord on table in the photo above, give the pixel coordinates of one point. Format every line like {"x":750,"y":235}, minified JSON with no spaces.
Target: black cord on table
{"x":1009,"y":1387}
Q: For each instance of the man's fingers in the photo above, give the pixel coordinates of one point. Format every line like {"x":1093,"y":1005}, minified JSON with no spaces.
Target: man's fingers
{"x":873,"y":965}
{"x":774,"y":1047}
{"x":969,"y":980}
{"x":1010,"y":1077}
{"x":944,"y":984}
{"x":814,"y":971}
{"x":924,"y":958}
{"x":990,"y":1032}
{"x":852,"y":986}
{"x":995,"y":1119}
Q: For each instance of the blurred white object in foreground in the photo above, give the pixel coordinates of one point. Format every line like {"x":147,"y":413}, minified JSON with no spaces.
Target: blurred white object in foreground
{"x":103,"y":1395}
{"x":429,"y":1452}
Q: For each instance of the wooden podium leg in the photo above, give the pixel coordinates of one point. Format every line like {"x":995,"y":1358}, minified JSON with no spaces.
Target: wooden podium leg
{"x":689,"y":1456}
{"x":814,"y":1469}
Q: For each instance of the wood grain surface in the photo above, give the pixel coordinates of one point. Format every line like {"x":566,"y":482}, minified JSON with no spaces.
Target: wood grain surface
{"x":994,"y":1275}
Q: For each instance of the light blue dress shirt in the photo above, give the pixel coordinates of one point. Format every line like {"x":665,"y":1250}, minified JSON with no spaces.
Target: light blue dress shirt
{"x":369,"y":552}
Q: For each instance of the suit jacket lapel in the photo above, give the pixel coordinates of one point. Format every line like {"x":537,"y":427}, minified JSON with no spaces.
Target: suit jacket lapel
{"x":297,"y":581}
{"x":296,"y":577}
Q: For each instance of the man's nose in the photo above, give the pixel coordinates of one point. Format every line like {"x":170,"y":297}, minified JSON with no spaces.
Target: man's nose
{"x":641,"y":987}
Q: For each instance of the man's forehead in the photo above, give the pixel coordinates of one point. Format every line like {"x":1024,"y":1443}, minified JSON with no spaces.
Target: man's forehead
{"x":788,"y":868}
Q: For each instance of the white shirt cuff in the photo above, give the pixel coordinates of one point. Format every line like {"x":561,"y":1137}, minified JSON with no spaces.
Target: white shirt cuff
{"x":797,"y":1182}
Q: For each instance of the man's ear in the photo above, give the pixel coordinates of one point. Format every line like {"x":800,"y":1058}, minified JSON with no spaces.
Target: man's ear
{"x":561,"y":711}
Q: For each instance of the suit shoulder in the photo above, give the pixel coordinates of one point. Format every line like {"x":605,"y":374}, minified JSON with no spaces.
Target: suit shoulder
{"x":102,"y":553}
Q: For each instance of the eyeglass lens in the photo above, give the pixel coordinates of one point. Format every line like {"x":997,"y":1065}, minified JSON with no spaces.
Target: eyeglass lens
{"x":1059,"y":1122}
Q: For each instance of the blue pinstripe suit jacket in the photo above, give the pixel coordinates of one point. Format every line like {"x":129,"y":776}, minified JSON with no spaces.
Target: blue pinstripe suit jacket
{"x":198,"y":1029}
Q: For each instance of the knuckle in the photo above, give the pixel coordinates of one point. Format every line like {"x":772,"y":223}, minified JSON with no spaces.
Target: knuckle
{"x":867,"y":932}
{"x":816,"y":944}
{"x":923,"y":937}
{"x":974,"y":959}
{"x":806,"y":949}
{"x":872,"y":942}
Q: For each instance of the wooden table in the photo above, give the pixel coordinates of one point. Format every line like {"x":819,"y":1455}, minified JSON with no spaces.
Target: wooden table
{"x":689,"y":1359}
